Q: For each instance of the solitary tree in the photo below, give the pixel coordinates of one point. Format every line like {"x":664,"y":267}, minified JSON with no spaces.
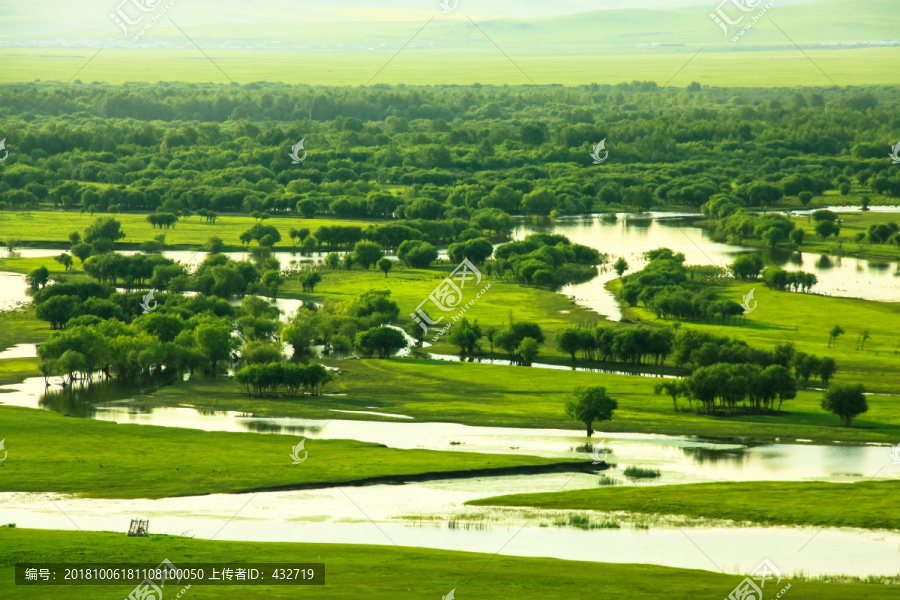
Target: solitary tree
{"x":846,"y":401}
{"x":861,"y":340}
{"x":591,"y":404}
{"x":380,"y":341}
{"x":385,"y":264}
{"x":671,"y":387}
{"x":620,"y":266}
{"x":65,"y":260}
{"x":836,"y":332}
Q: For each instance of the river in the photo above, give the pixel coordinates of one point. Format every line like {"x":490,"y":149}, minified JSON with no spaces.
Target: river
{"x":432,"y":514}
{"x":631,"y":235}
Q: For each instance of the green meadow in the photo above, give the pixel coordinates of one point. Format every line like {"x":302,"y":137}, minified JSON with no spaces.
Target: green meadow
{"x":502,"y":396}
{"x":382,"y":572}
{"x":100,"y":459}
{"x":41,"y":227}
{"x":783,"y":67}
{"x":846,"y":244}
{"x":819,"y":504}
{"x":805,"y":320}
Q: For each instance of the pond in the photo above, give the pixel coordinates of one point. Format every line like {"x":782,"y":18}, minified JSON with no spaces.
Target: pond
{"x":13,"y":291}
{"x":631,"y":235}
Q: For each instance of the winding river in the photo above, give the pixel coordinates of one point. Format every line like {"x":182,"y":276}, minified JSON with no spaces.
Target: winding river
{"x":433,"y":514}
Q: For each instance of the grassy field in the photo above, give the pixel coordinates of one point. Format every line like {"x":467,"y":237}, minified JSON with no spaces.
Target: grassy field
{"x":409,"y":287}
{"x":479,"y":63}
{"x":869,"y":504}
{"x":851,"y":224}
{"x":805,"y":320}
{"x":380,"y":572}
{"x":500,"y":396}
{"x":39,"y":227}
{"x":21,"y":327}
{"x":100,"y":459}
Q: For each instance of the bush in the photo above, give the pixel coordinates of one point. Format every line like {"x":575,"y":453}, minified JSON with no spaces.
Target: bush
{"x":632,"y":472}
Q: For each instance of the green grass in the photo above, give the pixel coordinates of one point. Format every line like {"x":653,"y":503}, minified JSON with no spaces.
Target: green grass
{"x":869,"y":504}
{"x":355,"y":571}
{"x":37,"y":228}
{"x":805,"y":320}
{"x":24,"y":266}
{"x":478,"y":62}
{"x":851,"y":224}
{"x":49,"y":452}
{"x":474,"y":394}
{"x":409,"y":287}
{"x":21,"y":327}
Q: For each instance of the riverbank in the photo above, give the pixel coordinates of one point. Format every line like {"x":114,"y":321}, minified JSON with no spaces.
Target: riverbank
{"x":821,"y":504}
{"x":355,"y":571}
{"x":105,"y":460}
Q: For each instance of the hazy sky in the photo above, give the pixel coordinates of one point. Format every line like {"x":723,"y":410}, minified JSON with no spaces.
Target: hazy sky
{"x":57,"y":15}
{"x":47,"y":19}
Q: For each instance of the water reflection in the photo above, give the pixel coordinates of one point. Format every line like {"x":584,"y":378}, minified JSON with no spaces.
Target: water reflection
{"x":712,"y":456}
{"x":79,"y":399}
{"x":631,"y":235}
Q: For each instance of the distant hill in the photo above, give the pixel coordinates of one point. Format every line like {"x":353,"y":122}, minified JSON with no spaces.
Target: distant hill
{"x":355,"y":24}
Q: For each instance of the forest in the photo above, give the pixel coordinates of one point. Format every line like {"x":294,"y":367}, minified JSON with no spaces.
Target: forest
{"x":454,"y":154}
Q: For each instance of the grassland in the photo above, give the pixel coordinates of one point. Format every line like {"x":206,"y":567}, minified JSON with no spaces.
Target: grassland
{"x":851,"y":224}
{"x":500,"y":396}
{"x":41,"y":228}
{"x":50,"y":452}
{"x":480,"y":62}
{"x":805,"y":320}
{"x":868,"y":504}
{"x":21,"y":327}
{"x":380,"y":572}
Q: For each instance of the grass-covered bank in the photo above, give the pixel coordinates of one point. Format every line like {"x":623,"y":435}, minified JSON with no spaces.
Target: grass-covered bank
{"x":805,"y":320}
{"x":381,"y":572}
{"x":35,"y":228}
{"x":502,"y":396}
{"x":102,"y":458}
{"x":866,"y":504}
